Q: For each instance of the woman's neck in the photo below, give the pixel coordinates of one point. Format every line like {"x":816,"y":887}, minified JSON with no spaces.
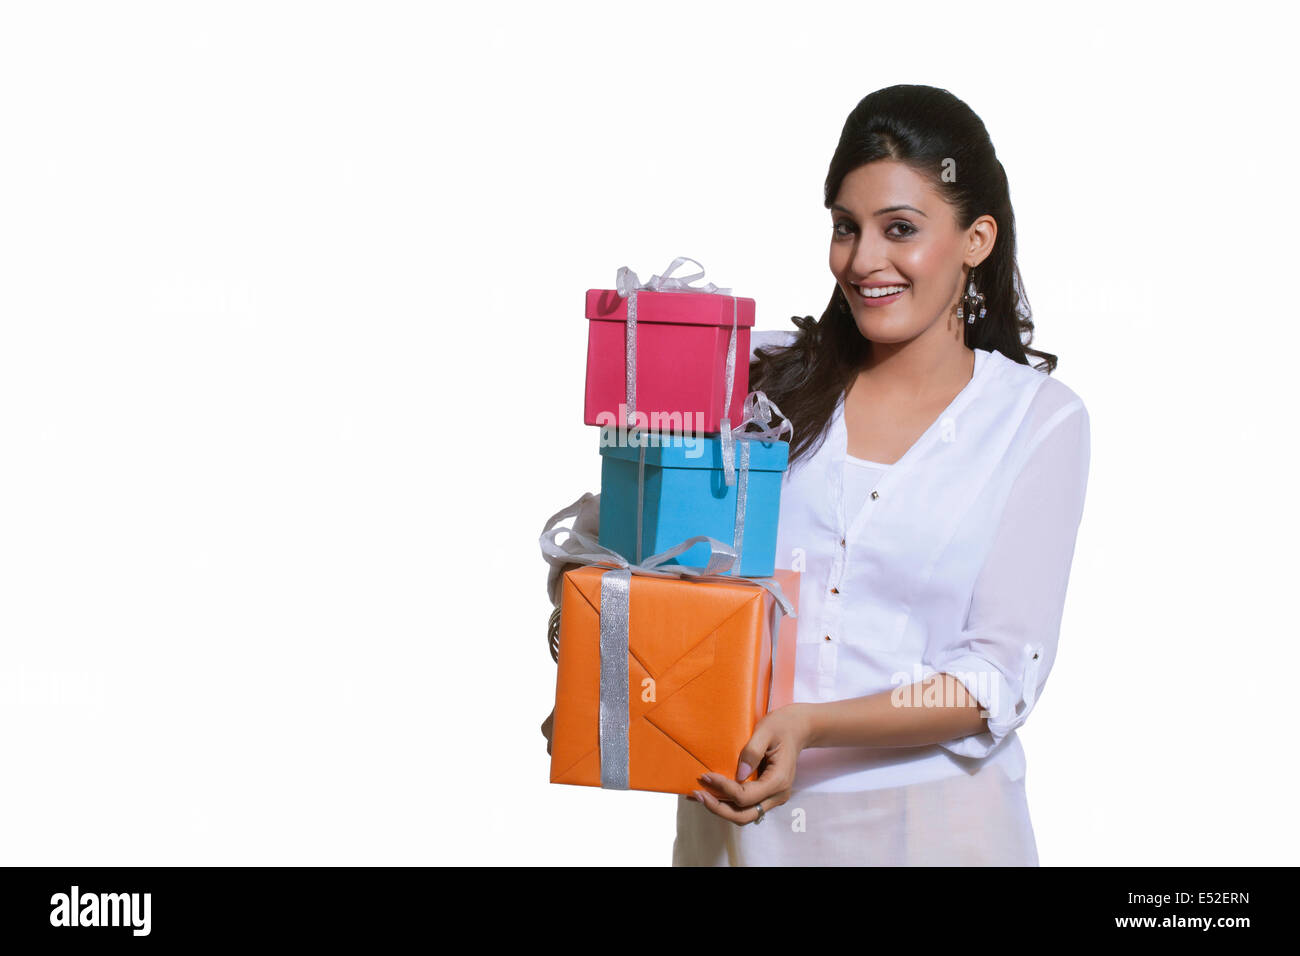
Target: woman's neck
{"x":907,"y":374}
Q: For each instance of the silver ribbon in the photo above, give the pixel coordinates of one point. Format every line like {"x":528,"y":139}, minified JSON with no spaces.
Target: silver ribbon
{"x":742,"y":494}
{"x":640,"y":498}
{"x":758,"y":410}
{"x":615,"y":601}
{"x":627,"y":284}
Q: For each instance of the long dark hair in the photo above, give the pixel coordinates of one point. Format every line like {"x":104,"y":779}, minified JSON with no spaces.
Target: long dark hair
{"x":924,"y":128}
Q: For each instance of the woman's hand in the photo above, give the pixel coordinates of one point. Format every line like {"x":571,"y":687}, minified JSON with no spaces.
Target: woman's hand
{"x":773,"y":749}
{"x":548,"y":727}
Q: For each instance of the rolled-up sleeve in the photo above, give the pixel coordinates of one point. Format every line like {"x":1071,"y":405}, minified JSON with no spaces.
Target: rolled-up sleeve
{"x":1009,"y":643}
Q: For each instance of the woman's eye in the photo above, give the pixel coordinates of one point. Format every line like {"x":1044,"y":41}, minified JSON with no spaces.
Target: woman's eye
{"x":907,"y":229}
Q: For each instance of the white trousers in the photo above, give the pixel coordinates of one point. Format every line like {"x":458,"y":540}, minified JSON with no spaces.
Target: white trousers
{"x":979,"y":819}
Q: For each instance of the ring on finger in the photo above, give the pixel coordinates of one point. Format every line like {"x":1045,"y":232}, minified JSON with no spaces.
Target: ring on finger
{"x":759,"y":819}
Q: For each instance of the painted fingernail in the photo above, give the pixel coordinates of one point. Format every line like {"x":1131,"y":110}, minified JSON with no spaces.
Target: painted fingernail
{"x":705,"y":777}
{"x":743,"y":771}
{"x":699,"y":795}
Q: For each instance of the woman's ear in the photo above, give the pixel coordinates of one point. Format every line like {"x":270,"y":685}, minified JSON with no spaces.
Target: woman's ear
{"x":981,"y":236}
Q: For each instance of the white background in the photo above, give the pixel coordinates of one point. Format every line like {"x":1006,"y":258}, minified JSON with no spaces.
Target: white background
{"x":291,"y":376}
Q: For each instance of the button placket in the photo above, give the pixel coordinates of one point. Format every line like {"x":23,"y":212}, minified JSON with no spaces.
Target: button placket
{"x":832,"y":608}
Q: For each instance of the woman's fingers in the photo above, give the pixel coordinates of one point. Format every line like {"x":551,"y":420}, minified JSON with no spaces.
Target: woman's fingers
{"x":547,"y":729}
{"x":739,"y":817}
{"x":743,"y":795}
{"x":776,"y":774}
{"x":751,"y":755}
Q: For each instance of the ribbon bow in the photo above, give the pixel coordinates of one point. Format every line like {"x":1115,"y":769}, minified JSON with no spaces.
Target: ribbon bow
{"x":757,"y":410}
{"x":628,"y":285}
{"x":615,"y":593}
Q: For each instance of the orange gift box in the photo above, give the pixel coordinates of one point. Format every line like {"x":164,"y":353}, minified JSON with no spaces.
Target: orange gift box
{"x":699,"y":676}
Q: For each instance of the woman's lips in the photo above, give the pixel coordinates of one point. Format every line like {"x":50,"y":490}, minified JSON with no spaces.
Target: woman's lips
{"x":875,"y":301}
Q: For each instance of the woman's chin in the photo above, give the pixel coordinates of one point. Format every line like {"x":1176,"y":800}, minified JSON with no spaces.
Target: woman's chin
{"x":882,"y":328}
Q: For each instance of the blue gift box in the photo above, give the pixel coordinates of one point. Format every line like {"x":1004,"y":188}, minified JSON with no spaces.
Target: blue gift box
{"x":685,"y":494}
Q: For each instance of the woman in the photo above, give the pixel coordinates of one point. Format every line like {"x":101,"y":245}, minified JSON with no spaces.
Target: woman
{"x":932,"y":503}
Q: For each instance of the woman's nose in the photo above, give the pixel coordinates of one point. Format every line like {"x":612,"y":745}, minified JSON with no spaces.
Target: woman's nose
{"x":868,"y":259}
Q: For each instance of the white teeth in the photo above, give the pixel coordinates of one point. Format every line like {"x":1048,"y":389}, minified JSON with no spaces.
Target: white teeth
{"x":882,"y":291}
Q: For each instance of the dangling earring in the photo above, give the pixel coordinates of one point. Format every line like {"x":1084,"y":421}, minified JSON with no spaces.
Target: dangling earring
{"x":972,"y":299}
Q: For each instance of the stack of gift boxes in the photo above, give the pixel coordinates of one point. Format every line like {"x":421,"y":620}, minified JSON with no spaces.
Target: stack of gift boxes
{"x":671,"y":630}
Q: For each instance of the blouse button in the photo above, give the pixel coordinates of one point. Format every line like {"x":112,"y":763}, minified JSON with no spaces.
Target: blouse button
{"x":837,"y":591}
{"x":841,"y":542}
{"x":875,"y":494}
{"x":828,"y":637}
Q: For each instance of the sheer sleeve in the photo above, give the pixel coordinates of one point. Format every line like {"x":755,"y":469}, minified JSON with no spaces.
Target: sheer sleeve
{"x":1008,"y":645}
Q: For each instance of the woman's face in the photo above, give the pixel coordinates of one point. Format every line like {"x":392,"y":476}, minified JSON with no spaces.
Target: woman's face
{"x":892,"y":229}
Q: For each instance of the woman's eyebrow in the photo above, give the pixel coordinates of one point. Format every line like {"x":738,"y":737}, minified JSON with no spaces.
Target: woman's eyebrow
{"x":880,"y":212}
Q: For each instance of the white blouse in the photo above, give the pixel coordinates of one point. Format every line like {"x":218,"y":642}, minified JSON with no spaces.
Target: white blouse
{"x":953,"y":559}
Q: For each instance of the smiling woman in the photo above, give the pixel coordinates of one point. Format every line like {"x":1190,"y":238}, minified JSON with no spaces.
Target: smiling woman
{"x":933,"y":499}
{"x":918,"y":199}
{"x":934,"y":496}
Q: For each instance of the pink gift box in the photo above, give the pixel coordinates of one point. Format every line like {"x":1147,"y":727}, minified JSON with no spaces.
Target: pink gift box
{"x":681,"y":358}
